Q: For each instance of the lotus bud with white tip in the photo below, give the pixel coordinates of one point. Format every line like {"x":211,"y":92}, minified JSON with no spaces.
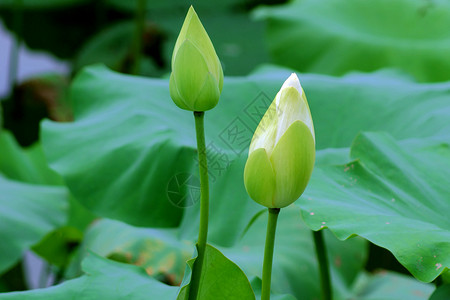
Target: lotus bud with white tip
{"x":282,"y":151}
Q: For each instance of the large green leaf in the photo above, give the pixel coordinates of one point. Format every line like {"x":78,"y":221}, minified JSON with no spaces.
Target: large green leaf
{"x":27,"y":165}
{"x":114,"y":171}
{"x":132,"y":141}
{"x":395,"y":195}
{"x":103,"y":279}
{"x":295,"y":263}
{"x":161,"y":254}
{"x":30,"y":166}
{"x":221,"y":279}
{"x":27,"y":213}
{"x":337,"y":36}
{"x":121,"y":176}
{"x":123,"y":123}
{"x":390,"y":286}
{"x":295,"y":269}
{"x":158,"y":251}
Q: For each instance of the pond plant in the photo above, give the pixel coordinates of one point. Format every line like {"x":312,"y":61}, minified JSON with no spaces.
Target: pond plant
{"x":132,"y":198}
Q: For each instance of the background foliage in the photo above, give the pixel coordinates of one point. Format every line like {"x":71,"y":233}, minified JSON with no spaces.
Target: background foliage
{"x":91,"y":189}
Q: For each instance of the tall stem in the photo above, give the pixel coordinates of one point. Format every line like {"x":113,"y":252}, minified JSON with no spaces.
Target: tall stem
{"x":139,"y":32}
{"x":204,"y":205}
{"x":268,"y":253}
{"x":324,"y":270}
{"x":14,"y":58}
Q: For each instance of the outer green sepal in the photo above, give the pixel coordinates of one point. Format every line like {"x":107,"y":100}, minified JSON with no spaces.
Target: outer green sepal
{"x":259,"y":178}
{"x":197,"y":77}
{"x":293,"y":161}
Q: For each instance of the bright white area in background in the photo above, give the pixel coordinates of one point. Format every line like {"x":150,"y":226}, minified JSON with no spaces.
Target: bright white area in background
{"x":31,"y":62}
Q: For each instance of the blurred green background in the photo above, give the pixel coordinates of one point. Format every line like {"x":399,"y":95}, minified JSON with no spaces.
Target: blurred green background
{"x":402,"y":45}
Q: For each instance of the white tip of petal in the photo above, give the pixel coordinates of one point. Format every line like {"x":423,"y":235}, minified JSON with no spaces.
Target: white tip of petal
{"x":293,"y":81}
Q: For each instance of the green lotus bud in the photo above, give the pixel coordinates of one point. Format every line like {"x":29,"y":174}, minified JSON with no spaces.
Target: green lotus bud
{"x":282,"y":151}
{"x":197,"y":77}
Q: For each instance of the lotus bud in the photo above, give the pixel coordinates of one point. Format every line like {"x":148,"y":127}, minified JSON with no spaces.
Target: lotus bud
{"x":197,"y":77}
{"x":282,"y":152}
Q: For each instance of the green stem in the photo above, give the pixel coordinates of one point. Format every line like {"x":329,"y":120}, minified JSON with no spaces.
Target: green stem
{"x":204,"y":205}
{"x":14,"y":60}
{"x":324,"y":270}
{"x":268,"y":253}
{"x":139,"y":33}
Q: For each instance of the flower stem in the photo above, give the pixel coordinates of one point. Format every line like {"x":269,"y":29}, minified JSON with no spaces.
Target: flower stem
{"x":322,"y":258}
{"x":139,"y":33}
{"x":15,"y":48}
{"x":268,"y":253}
{"x":204,"y":205}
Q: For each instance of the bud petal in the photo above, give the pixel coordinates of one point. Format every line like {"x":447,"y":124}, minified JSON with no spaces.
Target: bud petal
{"x":293,"y":162}
{"x":259,"y":178}
{"x":188,"y":75}
{"x":208,"y":96}
{"x":265,"y":133}
{"x":197,"y":77}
